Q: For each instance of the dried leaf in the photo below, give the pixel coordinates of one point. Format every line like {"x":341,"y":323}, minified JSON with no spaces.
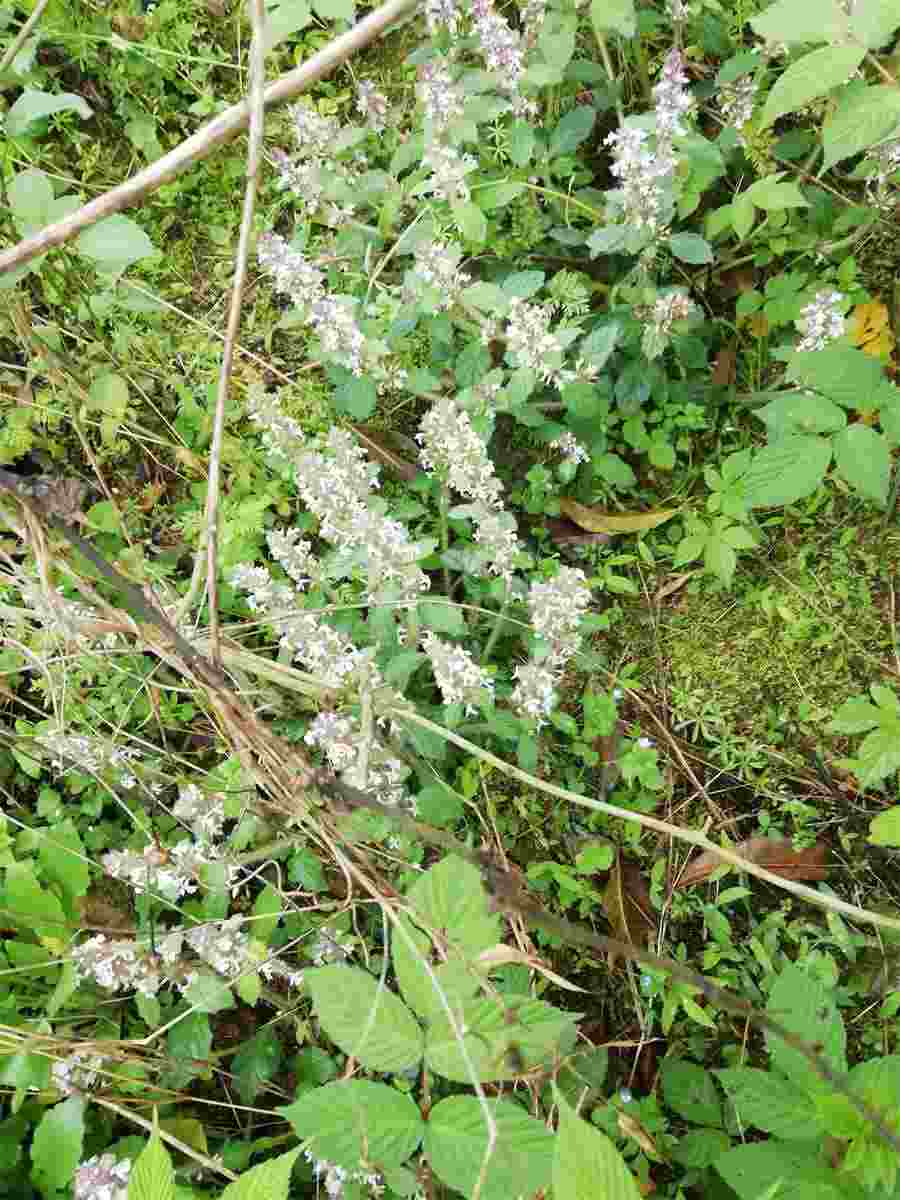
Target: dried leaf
{"x":758,"y":324}
{"x":673,"y":586}
{"x":775,"y":854}
{"x":596,"y":521}
{"x":724,"y":370}
{"x":566,"y":533}
{"x":869,"y":328}
{"x":628,"y":906}
{"x":629,"y":1126}
{"x":382,"y":446}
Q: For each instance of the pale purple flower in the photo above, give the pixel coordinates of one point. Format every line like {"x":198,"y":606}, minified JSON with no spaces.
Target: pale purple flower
{"x":502,"y":48}
{"x":570,"y":448}
{"x":495,"y":533}
{"x":436,"y":267}
{"x":556,"y":607}
{"x":460,"y":679}
{"x":328,"y":948}
{"x":203,"y":811}
{"x":668,"y":309}
{"x":118,"y":965}
{"x":295,"y":555}
{"x":535,"y":691}
{"x":291,"y":273}
{"x":77,"y":1073}
{"x":102,"y":1178}
{"x":440,"y":97}
{"x":821,"y":321}
{"x":673,"y":102}
{"x":452,"y":448}
{"x":337,"y":735}
{"x":642,"y":176}
{"x":441,"y":13}
{"x":737,"y":101}
{"x":222,"y":945}
{"x":448,"y":169}
{"x":334,"y":320}
{"x":372,"y":104}
{"x":530,"y":341}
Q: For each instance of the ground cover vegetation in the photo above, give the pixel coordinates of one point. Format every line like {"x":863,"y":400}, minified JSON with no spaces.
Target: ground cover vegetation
{"x":449,"y":674}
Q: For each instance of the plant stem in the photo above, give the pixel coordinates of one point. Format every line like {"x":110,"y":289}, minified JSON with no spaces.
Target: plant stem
{"x":495,"y":630}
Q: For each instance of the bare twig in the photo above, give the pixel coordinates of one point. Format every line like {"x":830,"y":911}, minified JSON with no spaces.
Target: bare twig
{"x":254,"y":154}
{"x":201,"y":144}
{"x":19,"y":40}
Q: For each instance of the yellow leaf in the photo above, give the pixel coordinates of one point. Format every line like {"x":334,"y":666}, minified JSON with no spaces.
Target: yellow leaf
{"x":869,"y":328}
{"x":595,"y":521}
{"x":758,"y":324}
{"x":188,"y":1130}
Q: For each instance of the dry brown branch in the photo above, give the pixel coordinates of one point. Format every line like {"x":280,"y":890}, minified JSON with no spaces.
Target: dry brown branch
{"x":19,"y":40}
{"x":201,"y":144}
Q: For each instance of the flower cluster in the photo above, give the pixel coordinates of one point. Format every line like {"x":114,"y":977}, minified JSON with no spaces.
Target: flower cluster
{"x":570,"y":448}
{"x":556,"y":608}
{"x":307,"y":174}
{"x":821,"y":321}
{"x":435,"y":274}
{"x":441,"y":14}
{"x":448,"y":169}
{"x":668,"y":309}
{"x":119,"y":966}
{"x":737,"y":101}
{"x":673,"y":102}
{"x":102,"y":1178}
{"x":362,"y":761}
{"x":77,"y":1073}
{"x":372,"y":104}
{"x":76,"y":752}
{"x":335,"y":1178}
{"x":460,"y":679}
{"x":886,"y":162}
{"x":169,"y":872}
{"x":642,"y":177}
{"x":328,"y":948}
{"x":504,"y":53}
{"x":530,"y":341}
{"x":204,"y":812}
{"x":440,"y":97}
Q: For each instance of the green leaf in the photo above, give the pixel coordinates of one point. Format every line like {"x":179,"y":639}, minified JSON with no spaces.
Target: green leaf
{"x":456,"y":980}
{"x":456,"y":1138}
{"x":289,"y":17}
{"x":855,"y":715}
{"x":873,"y":21}
{"x":56,"y":1149}
{"x":743,"y":214}
{"x":152,"y":1176}
{"x":30,"y":906}
{"x":771,"y":195}
{"x":699,"y":1148}
{"x":613,"y":16}
{"x":521,"y":143}
{"x":690,"y":1091}
{"x":364,"y":1019}
{"x":442,"y":618}
{"x":879,"y":754}
{"x":771,"y":1103}
{"x":191,"y":1038}
{"x":494,"y":1028}
{"x":814,"y":21}
{"x":335,"y":10}
{"x":586,"y":1164}
{"x":438,"y":805}
{"x":843,"y":373}
{"x":450,"y":897}
{"x":805,"y":1007}
{"x":352,"y":1119}
{"x":25,"y":1070}
{"x":34,"y":106}
{"x":114,"y":244}
{"x":64,"y":861}
{"x":498,"y":195}
{"x":356,"y":397}
{"x":266,"y":914}
{"x":470,"y":221}
{"x":572,"y":130}
{"x":781,"y":1170}
{"x":208,"y":993}
{"x":691,"y":248}
{"x":30,"y":196}
{"x":861,"y":119}
{"x":256,"y":1062}
{"x":103,"y":516}
{"x":809,"y":77}
{"x":269,"y":1181}
{"x":884,"y":830}
{"x":786,"y":471}
{"x":862,"y":457}
{"x":801,"y":412}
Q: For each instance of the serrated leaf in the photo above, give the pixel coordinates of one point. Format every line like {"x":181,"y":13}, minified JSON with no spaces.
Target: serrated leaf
{"x":691,"y":248}
{"x":688,"y":1089}
{"x":152,"y":1176}
{"x":364,"y":1019}
{"x":884,"y":830}
{"x":805,"y":1007}
{"x":771,"y":195}
{"x":56,"y":1148}
{"x":572,"y":130}
{"x":470,"y":221}
{"x":614,"y":16}
{"x":501,"y":1039}
{"x":786,"y":471}
{"x":859,"y":121}
{"x":256,"y":1062}
{"x":767,"y":1101}
{"x":814,"y":21}
{"x":873,"y":21}
{"x":114,"y":243}
{"x":862,"y":457}
{"x":777,"y":1170}
{"x":456,"y":1138}
{"x":450,"y":898}
{"x":586,"y":1164}
{"x":809,"y":77}
{"x":34,"y":106}
{"x":457,"y":981}
{"x":595,"y":521}
{"x":352,"y":1119}
{"x":269,"y":1181}
{"x":843,"y":373}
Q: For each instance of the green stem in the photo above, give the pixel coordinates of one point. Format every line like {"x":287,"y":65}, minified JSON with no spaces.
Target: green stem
{"x":443,"y":511}
{"x":495,"y":630}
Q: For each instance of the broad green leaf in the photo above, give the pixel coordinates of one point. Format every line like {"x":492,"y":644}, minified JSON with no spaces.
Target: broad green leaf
{"x":456,"y":1138}
{"x":771,"y":195}
{"x":860,"y":120}
{"x":783,"y":1171}
{"x":884,"y":830}
{"x":699,"y":1148}
{"x":690,"y":1091}
{"x":364,"y":1019}
{"x":335,"y":10}
{"x":114,"y":243}
{"x":190,"y":1038}
{"x":498,"y":195}
{"x":63,"y":859}
{"x":862,"y":457}
{"x":109,"y":394}
{"x":494,"y":1029}
{"x":521,"y":143}
{"x":350,"y":1119}
{"x":30,"y":906}
{"x":873,"y":21}
{"x":879,"y":755}
{"x":470,"y":221}
{"x":572,"y":130}
{"x":266,"y":914}
{"x":556,"y":40}
{"x":152,"y":1175}
{"x":743,"y":214}
{"x":769,"y":1102}
{"x":813,"y":21}
{"x":25,"y":1070}
{"x":855,"y":715}
{"x":256,"y":1062}
{"x":801,"y":412}
{"x":56,"y":1148}
{"x":613,"y":16}
{"x":289,"y":17}
{"x":33,"y":106}
{"x":843,"y":373}
{"x":208,"y":993}
{"x":809,"y":77}
{"x":457,"y":981}
{"x":805,"y":1007}
{"x":691,"y":248}
{"x":30,"y":195}
{"x":450,"y":899}
{"x":269,"y":1181}
{"x":356,"y":397}
{"x":786,"y":471}
{"x":586,"y":1164}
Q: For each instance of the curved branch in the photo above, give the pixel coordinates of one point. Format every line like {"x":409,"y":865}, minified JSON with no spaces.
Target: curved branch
{"x":199,"y":145}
